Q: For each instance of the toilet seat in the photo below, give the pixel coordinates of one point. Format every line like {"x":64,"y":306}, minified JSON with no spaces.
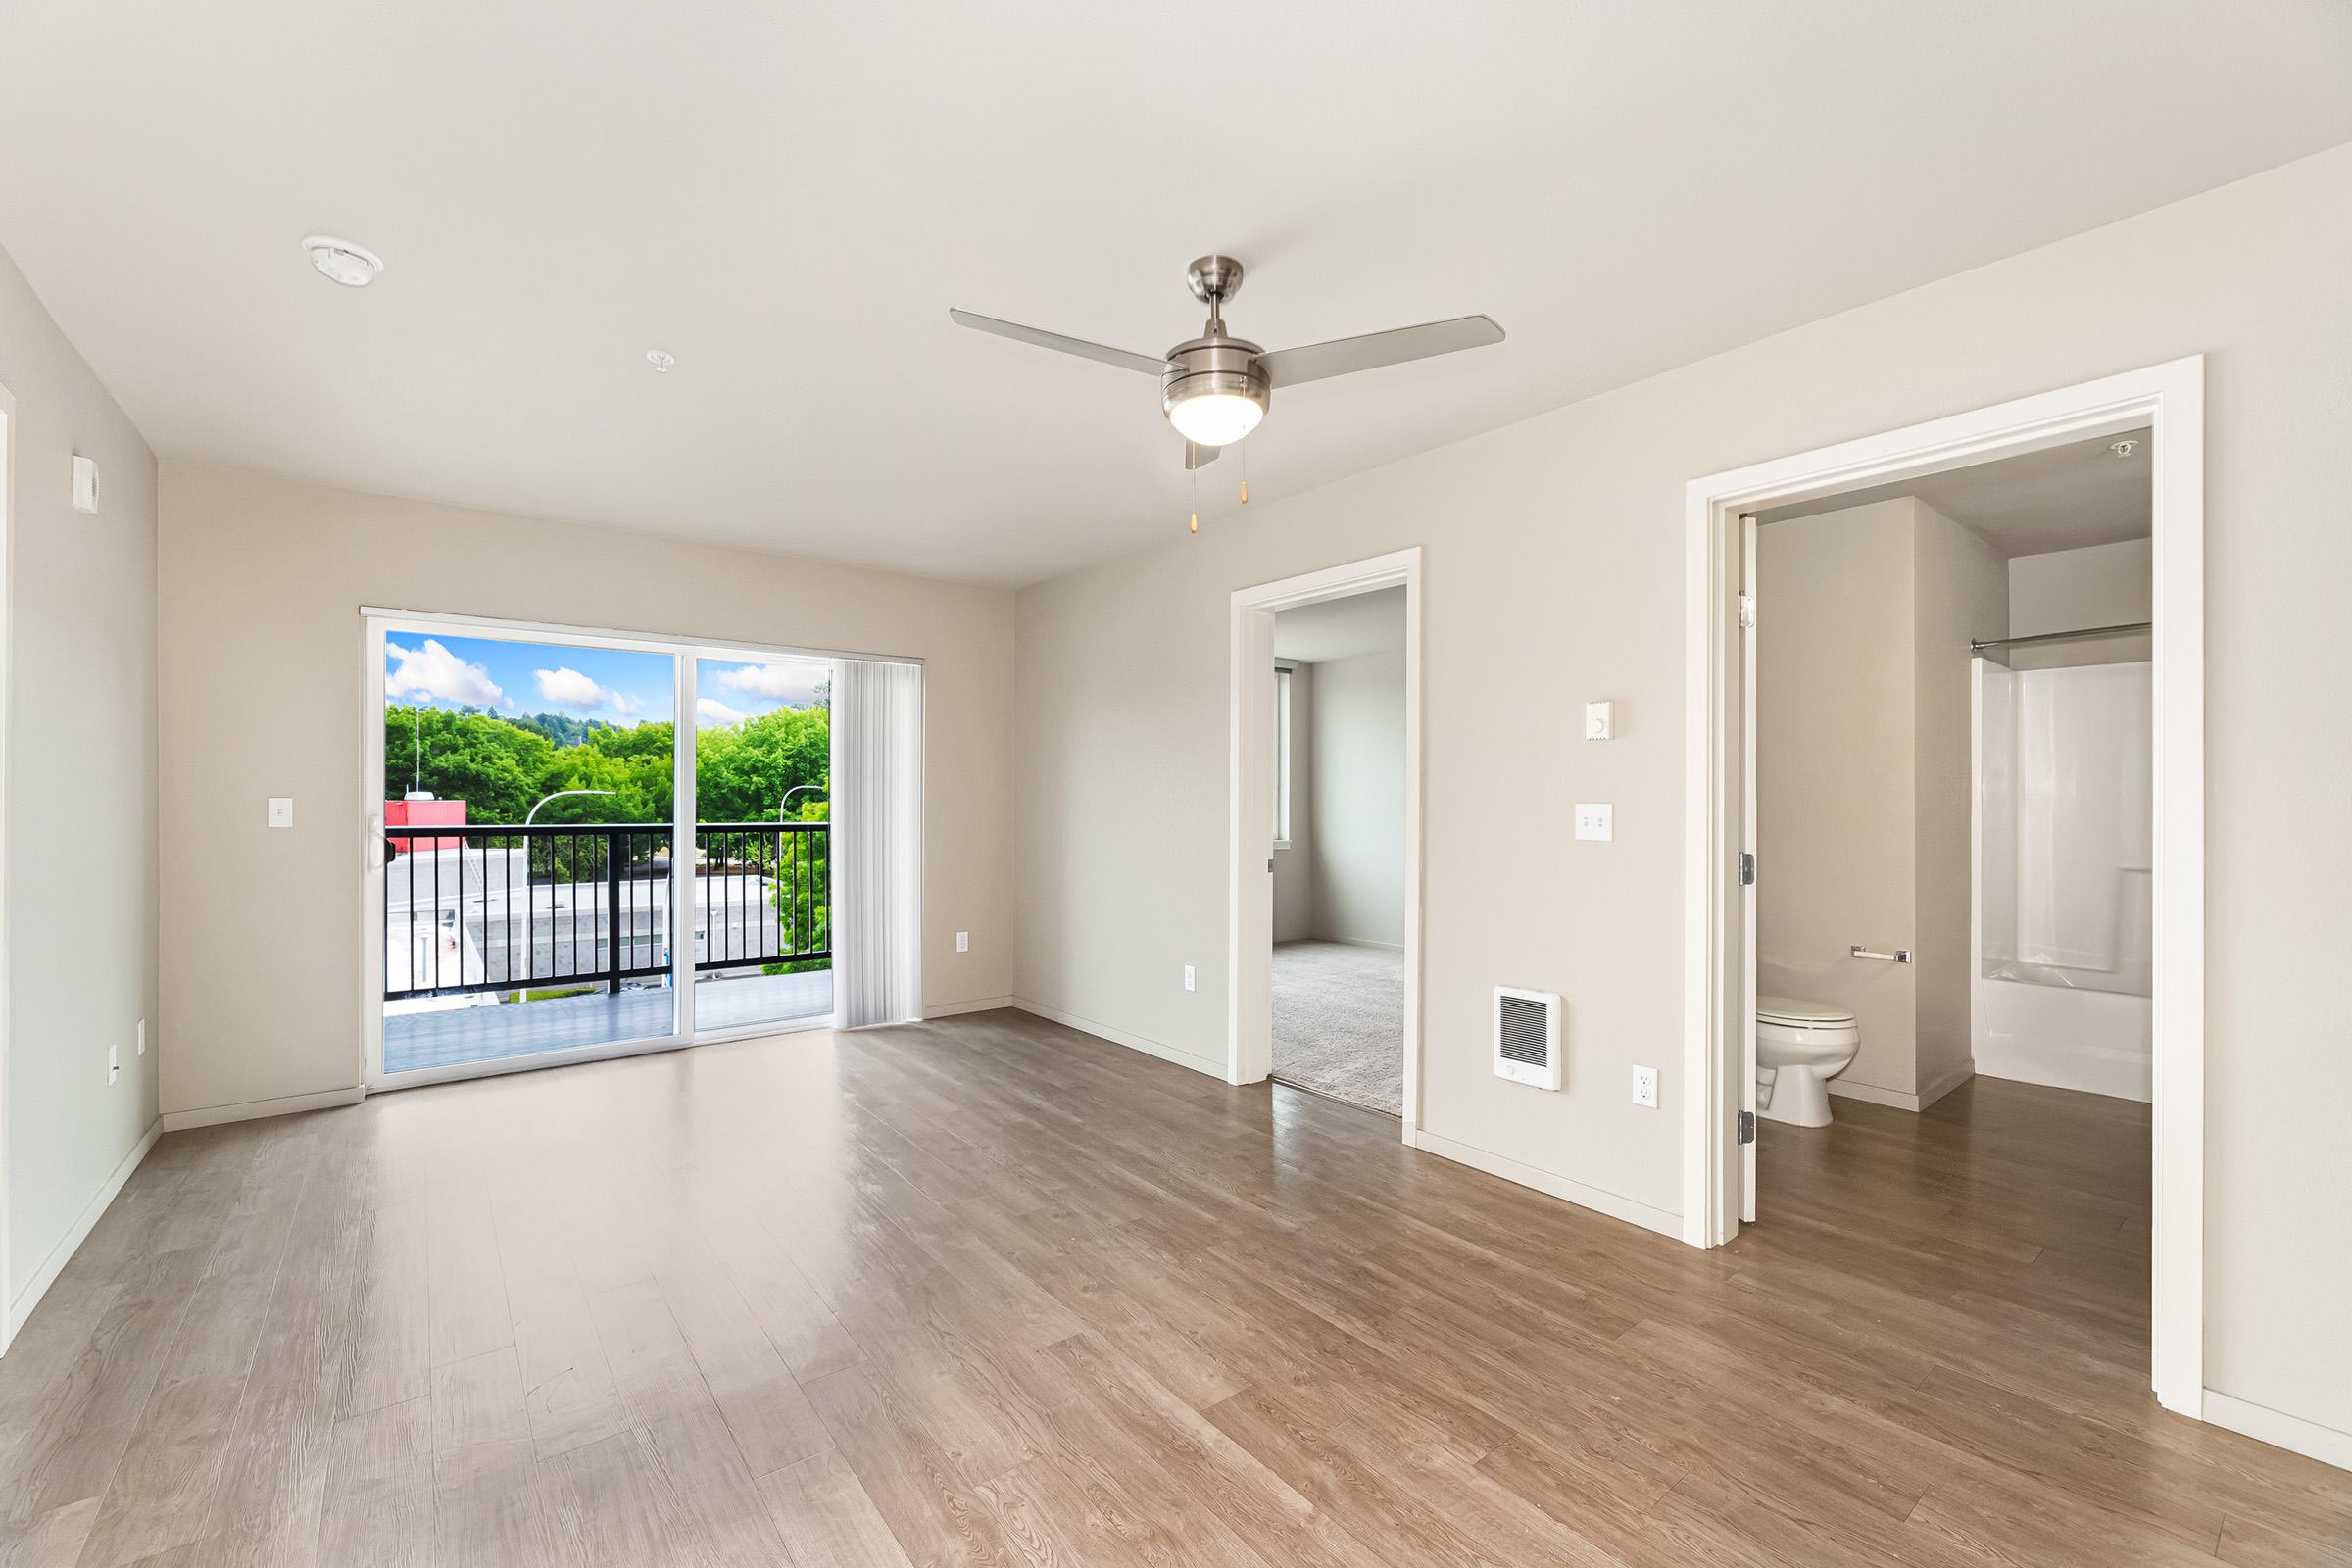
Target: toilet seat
{"x":1788,"y":1012}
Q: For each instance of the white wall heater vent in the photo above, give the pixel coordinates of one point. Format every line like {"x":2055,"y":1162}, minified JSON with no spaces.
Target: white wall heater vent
{"x":1527,"y":1037}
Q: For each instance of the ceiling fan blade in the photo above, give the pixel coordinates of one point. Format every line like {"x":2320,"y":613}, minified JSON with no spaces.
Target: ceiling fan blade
{"x":1198,"y":456}
{"x":1344,"y":356}
{"x":1150,"y":365}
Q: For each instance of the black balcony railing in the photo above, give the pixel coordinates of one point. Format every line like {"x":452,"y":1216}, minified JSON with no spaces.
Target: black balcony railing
{"x":487,"y":907}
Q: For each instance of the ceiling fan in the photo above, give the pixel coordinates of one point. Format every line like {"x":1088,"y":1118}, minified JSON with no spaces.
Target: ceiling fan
{"x":1215,"y":388}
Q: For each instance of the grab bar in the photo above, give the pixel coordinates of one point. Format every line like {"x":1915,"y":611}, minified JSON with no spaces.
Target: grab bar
{"x":1898,"y":956}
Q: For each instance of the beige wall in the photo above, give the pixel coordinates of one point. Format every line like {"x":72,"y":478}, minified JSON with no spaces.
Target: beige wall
{"x":2067,"y":590}
{"x":1834,"y":797}
{"x":1864,"y":779}
{"x":262,"y":585}
{"x":1959,"y":591}
{"x":79,"y":794}
{"x":1554,"y":573}
{"x":1358,"y":746}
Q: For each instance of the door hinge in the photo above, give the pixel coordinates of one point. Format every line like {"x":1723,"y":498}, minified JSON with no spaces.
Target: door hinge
{"x":1747,"y":1127}
{"x":1747,"y":610}
{"x":1747,"y":869}
{"x":1269,"y":862}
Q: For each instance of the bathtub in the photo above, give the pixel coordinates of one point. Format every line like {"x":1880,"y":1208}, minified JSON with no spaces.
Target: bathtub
{"x":2074,"y":1028}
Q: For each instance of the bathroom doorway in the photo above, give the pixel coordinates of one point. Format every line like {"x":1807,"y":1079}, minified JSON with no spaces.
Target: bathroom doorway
{"x":1844,"y":969}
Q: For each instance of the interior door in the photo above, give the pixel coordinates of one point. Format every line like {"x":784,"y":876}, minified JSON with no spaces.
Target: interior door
{"x":1747,"y":839}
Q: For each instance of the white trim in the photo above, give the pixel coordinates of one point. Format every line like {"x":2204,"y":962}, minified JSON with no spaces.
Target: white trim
{"x":1120,"y":1037}
{"x":180,"y":1122}
{"x":1249,"y":903}
{"x":70,"y":1243}
{"x":8,"y":577}
{"x":2170,"y":399}
{"x":649,"y":642}
{"x":950,"y":1010}
{"x":1632,"y":1210}
{"x":760,"y":1031}
{"x":1902,"y":1099}
{"x":2280,"y":1430}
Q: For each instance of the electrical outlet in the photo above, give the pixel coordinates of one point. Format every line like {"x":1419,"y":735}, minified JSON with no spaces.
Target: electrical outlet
{"x":1188,"y":977}
{"x":963,"y":942}
{"x":114,"y":1062}
{"x":1645,"y":1087}
{"x":142,"y":1037}
{"x":1595,"y":822}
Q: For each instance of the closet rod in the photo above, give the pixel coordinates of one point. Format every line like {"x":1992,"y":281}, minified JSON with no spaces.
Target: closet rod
{"x":1977,"y":646}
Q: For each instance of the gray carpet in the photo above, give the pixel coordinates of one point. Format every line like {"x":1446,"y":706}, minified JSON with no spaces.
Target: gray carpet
{"x":1339,"y":1022}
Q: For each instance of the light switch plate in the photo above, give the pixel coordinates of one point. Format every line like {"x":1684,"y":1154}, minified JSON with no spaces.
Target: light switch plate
{"x":963,"y":942}
{"x":1645,"y":1087}
{"x":1188,"y":977}
{"x":1595,"y":820}
{"x":1600,"y":719}
{"x":281,"y":811}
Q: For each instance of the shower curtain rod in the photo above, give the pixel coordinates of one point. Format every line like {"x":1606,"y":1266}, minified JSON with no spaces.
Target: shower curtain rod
{"x":1977,"y":646}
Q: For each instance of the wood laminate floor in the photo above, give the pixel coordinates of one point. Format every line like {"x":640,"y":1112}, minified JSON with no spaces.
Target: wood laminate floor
{"x":991,"y":1292}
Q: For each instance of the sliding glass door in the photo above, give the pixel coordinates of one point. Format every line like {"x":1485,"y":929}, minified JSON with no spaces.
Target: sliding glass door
{"x":583,"y":846}
{"x":762,"y":765}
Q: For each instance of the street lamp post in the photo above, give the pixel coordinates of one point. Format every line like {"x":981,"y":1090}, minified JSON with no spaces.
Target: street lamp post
{"x":559,"y":795}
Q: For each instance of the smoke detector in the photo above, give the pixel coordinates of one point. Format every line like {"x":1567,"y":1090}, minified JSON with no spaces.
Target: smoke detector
{"x":341,"y":262}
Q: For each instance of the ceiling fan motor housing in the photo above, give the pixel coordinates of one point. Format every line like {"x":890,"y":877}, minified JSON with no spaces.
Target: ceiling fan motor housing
{"x":1206,"y":367}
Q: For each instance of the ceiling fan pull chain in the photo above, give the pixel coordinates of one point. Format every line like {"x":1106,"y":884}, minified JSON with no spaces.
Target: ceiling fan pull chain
{"x":1195,"y":479}
{"x":1244,"y":476}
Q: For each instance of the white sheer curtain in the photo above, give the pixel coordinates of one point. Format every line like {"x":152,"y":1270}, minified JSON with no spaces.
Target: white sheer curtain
{"x":877,"y":842}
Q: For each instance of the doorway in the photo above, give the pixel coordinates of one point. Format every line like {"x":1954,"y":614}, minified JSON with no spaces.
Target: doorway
{"x":1374,"y":897}
{"x":586,"y":845}
{"x":1338,"y":849}
{"x":2164,"y":403}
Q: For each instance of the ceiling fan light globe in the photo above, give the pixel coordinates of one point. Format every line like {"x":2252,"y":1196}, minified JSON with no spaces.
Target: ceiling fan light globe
{"x":1215,"y":418}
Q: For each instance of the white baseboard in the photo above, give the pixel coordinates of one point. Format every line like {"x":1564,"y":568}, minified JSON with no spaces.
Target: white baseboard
{"x":2281,"y":1430}
{"x":1632,"y":1212}
{"x":1936,"y":1089}
{"x":1120,"y":1037}
{"x":1873,"y":1094}
{"x":949,"y":1009}
{"x":70,"y":1243}
{"x":180,"y":1122}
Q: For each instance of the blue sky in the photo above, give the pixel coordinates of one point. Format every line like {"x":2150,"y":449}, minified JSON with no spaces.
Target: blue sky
{"x":614,"y":685}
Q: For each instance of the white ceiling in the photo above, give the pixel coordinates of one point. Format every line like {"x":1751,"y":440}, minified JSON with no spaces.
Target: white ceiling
{"x":2061,"y":497}
{"x":1341,"y":628}
{"x":789,"y":197}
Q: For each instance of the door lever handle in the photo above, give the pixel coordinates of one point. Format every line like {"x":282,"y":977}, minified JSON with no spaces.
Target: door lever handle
{"x":1898,"y":956}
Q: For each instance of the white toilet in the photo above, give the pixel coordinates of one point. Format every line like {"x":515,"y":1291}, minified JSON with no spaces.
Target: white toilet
{"x":1800,"y":1046}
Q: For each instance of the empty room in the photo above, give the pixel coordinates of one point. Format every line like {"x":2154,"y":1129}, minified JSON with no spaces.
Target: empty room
{"x":864,"y":788}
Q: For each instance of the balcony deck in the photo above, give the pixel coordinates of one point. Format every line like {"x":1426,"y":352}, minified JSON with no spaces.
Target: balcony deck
{"x":465,"y":1036}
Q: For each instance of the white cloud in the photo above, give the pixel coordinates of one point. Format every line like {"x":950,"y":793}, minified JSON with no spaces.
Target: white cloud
{"x":712,"y":713}
{"x":794,"y":683}
{"x":433,"y":674}
{"x":569,"y":688}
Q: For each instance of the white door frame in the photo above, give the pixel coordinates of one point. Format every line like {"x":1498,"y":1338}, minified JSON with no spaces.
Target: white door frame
{"x":1249,"y":903}
{"x":2170,"y":399}
{"x":374,"y":621}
